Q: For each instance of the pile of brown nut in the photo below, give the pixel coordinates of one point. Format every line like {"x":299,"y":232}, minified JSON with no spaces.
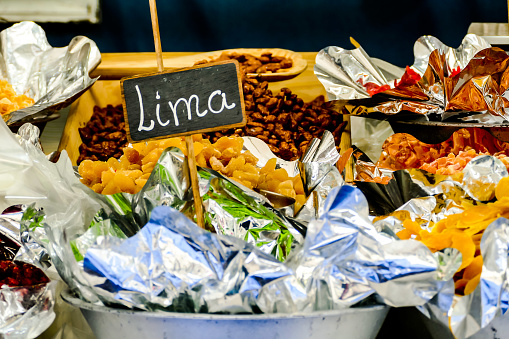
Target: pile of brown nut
{"x":104,"y":135}
{"x":283,"y":120}
{"x":266,"y":63}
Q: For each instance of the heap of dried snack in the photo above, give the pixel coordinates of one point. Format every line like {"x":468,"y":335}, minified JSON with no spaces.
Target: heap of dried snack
{"x":266,"y":63}
{"x":283,"y":121}
{"x":130,"y":173}
{"x":10,"y":101}
{"x":13,"y":273}
{"x":104,"y":135}
{"x":464,"y":232}
{"x":403,"y":151}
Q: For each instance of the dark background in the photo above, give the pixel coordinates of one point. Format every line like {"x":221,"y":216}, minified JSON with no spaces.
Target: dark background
{"x":386,"y":29}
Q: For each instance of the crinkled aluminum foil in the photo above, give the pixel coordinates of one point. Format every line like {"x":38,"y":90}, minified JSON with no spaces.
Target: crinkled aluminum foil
{"x":490,"y":299}
{"x":30,"y":133}
{"x":249,"y":216}
{"x":26,"y":312}
{"x":474,"y":91}
{"x":53,"y":77}
{"x":344,"y":260}
{"x":481,"y":175}
{"x":9,"y":238}
{"x":172,"y":264}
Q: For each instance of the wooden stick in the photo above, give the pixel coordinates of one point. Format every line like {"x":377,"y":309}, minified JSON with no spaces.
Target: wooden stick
{"x":345,"y":144}
{"x":193,"y":173}
{"x":191,"y":160}
{"x":157,"y":36}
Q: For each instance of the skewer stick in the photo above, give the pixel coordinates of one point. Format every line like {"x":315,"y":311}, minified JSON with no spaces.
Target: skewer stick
{"x":191,"y":160}
{"x":157,"y":36}
{"x":193,"y":173}
{"x":344,"y":145}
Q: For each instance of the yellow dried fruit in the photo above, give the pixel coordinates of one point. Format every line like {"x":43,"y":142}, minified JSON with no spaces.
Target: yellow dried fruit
{"x":130,"y":173}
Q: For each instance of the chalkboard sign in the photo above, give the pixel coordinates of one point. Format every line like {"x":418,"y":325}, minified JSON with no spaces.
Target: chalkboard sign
{"x":193,"y":100}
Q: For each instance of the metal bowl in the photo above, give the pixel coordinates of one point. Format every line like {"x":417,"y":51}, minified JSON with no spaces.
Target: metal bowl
{"x":351,"y":323}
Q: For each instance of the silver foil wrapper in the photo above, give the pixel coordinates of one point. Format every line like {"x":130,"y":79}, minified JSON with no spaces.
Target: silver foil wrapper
{"x":490,"y":299}
{"x":53,"y":77}
{"x":481,"y":175}
{"x":173,"y":265}
{"x":350,"y":76}
{"x":30,"y":133}
{"x":26,"y":312}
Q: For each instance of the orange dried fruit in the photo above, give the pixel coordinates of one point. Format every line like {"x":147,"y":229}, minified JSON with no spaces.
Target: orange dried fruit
{"x":404,"y":234}
{"x":474,"y":268}
{"x":152,"y":157}
{"x":472,"y":284}
{"x":464,"y":243}
{"x":412,"y":226}
{"x":460,"y":284}
{"x":198,"y":147}
{"x":280,"y":175}
{"x":502,"y":189}
{"x":124,"y":182}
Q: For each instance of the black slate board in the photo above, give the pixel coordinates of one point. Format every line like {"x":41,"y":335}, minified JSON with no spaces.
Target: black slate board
{"x":210,"y":95}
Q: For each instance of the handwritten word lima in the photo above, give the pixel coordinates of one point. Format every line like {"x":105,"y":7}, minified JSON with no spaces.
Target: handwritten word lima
{"x":173,"y":108}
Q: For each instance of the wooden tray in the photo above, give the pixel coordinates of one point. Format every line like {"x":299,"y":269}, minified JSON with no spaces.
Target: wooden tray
{"x":128,"y":65}
{"x":102,"y":93}
{"x":299,"y":64}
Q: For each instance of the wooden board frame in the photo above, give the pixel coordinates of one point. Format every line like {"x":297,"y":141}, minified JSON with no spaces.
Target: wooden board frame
{"x":205,"y":130}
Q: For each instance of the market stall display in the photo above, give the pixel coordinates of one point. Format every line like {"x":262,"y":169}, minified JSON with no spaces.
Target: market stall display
{"x":253,"y":228}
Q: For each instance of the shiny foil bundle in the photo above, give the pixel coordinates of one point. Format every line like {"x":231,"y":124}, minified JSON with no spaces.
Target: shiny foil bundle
{"x":467,"y":83}
{"x":173,"y":265}
{"x":52,"y":77}
{"x":26,"y":306}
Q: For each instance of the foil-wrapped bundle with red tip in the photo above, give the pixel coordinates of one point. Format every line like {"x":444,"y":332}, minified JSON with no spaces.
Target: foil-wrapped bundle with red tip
{"x":444,"y":84}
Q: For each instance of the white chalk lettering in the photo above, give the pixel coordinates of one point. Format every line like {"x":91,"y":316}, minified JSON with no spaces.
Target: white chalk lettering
{"x":191,"y":106}
{"x":158,"y":107}
{"x":174,"y":109}
{"x":188,"y":106}
{"x":142,"y":114}
{"x":224,"y":103}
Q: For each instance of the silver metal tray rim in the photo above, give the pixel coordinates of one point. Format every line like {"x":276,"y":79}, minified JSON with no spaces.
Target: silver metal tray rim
{"x":71,"y":299}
